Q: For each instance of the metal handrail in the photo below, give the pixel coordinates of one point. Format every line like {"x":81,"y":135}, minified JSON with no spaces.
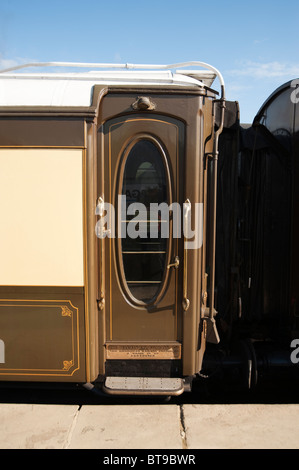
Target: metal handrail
{"x":126,"y":66}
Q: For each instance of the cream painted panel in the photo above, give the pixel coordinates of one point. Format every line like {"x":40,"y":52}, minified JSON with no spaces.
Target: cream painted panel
{"x":41,"y":217}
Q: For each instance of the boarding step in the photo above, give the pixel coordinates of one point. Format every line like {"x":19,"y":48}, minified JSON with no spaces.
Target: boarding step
{"x":143,"y":386}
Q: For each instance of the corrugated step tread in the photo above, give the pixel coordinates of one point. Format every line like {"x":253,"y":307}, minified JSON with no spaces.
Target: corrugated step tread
{"x":143,"y":386}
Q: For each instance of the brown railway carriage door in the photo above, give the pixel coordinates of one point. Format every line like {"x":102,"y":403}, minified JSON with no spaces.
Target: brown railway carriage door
{"x":142,"y":158}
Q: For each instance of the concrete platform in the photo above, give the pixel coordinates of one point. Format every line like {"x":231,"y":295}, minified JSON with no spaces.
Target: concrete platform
{"x":167,"y":426}
{"x":242,"y":426}
{"x":36,"y":426}
{"x":127,"y":427}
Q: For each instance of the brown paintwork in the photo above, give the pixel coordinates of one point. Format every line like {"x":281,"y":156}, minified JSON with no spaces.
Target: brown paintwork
{"x":189,"y":109}
{"x":123,"y":321}
{"x":43,"y":332}
{"x":187,"y":115}
{"x":41,"y":132}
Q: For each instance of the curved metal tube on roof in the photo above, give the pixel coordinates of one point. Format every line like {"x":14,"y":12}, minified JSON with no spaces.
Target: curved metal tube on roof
{"x":122,"y":66}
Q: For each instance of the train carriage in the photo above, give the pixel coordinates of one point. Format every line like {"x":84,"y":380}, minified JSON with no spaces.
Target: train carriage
{"x":107,"y":235}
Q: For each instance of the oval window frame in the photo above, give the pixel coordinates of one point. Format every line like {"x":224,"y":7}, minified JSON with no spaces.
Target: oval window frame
{"x":118,"y":245}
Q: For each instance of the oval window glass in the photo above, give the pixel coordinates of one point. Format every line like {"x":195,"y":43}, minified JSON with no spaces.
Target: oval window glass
{"x":143,"y":246}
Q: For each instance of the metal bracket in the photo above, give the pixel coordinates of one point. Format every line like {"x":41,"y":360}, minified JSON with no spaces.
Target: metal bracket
{"x":212,"y":335}
{"x":175,"y":264}
{"x":101,"y":303}
{"x":144,"y":103}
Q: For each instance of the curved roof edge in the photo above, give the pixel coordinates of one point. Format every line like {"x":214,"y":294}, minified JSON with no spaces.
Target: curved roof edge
{"x":271,"y":98}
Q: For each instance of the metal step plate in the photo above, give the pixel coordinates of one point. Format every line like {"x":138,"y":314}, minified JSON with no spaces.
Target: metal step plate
{"x":143,"y":386}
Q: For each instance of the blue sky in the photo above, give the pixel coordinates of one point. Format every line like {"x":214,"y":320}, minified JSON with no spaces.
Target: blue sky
{"x":254,"y":44}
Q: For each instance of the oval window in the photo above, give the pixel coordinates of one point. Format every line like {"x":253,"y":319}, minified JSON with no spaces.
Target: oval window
{"x":143,"y":244}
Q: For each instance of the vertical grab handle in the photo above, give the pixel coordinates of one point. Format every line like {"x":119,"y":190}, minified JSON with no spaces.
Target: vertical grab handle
{"x":186,"y":301}
{"x":99,"y":233}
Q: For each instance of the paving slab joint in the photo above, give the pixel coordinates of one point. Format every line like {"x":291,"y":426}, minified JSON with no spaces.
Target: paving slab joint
{"x":71,"y":430}
{"x":183,"y":428}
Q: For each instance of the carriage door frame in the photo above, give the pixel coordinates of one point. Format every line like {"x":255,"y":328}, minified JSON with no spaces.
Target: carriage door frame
{"x":136,"y":127}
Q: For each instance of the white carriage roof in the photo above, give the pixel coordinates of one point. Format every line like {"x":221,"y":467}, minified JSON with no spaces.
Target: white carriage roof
{"x":76,"y":89}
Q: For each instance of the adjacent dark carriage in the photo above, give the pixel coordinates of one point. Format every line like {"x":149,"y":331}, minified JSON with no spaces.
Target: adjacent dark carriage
{"x":257,"y":281}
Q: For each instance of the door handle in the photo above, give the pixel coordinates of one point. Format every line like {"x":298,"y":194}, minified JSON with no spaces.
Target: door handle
{"x":186,"y":301}
{"x":175,"y":264}
{"x":100,"y":208}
